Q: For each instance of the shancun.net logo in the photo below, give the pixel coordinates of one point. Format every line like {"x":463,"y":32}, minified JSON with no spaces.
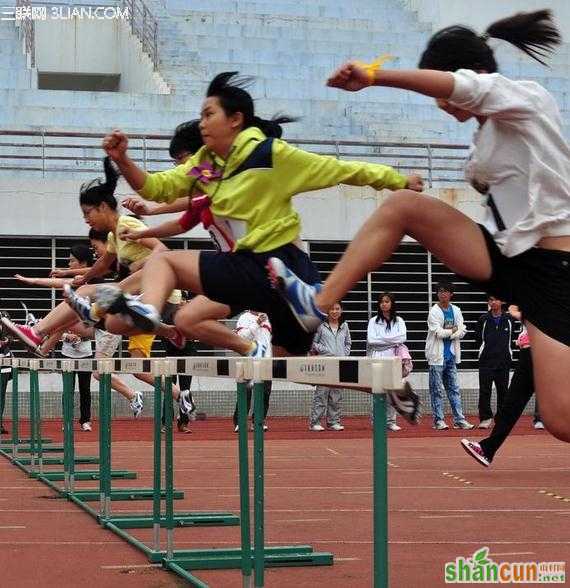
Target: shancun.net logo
{"x":481,"y":569}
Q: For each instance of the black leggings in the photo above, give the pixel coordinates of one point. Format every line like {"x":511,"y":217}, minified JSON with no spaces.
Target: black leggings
{"x":266,"y":395}
{"x":4,"y":379}
{"x":84,"y":379}
{"x":519,"y":393}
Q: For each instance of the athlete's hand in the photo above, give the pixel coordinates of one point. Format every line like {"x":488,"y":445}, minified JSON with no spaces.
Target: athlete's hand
{"x":131,"y":235}
{"x":137,"y":205}
{"x":115,"y":145}
{"x":415,"y":183}
{"x":78,"y":281}
{"x":350,"y":76}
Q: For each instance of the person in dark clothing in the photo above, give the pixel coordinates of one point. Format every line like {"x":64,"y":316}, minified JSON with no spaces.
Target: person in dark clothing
{"x":494,"y":336}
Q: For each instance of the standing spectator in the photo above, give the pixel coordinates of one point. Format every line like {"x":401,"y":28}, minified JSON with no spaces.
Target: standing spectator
{"x":333,"y":339}
{"x":5,"y":374}
{"x":493,"y":334}
{"x":443,"y":353}
{"x":77,"y":345}
{"x":255,"y":326}
{"x":385,"y":332}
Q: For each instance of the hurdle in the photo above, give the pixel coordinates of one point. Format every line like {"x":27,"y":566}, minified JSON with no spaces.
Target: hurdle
{"x":374,"y":376}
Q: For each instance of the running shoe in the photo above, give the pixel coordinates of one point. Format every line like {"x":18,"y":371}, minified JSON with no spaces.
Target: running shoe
{"x":299,"y":295}
{"x":463,"y":424}
{"x":539,"y":425}
{"x":185,"y":402}
{"x":113,"y":300}
{"x":259,"y":351}
{"x":317,"y":427}
{"x":440,"y":426}
{"x":393,"y":427}
{"x":24,"y":333}
{"x":137,"y":404}
{"x":182,"y":427}
{"x":476,"y":452}
{"x":86,"y":427}
{"x":335,"y":427}
{"x":407,"y":403}
{"x":81,"y":305}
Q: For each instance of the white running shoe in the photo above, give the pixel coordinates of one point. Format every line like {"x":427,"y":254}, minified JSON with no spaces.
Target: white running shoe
{"x":393,"y":427}
{"x":86,"y":427}
{"x":335,"y":427}
{"x":485,"y":424}
{"x":476,"y":452}
{"x":137,"y":404}
{"x":539,"y":425}
{"x":316,"y":427}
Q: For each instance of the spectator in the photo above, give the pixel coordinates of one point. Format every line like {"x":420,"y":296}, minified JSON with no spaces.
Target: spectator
{"x":385,"y":332}
{"x":443,"y":353}
{"x":332,"y":339}
{"x":77,"y":345}
{"x":493,"y":334}
{"x":255,"y":326}
{"x":5,"y":374}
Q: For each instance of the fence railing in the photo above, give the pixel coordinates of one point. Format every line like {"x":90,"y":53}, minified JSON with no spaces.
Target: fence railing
{"x":144,"y":27}
{"x":65,"y":152}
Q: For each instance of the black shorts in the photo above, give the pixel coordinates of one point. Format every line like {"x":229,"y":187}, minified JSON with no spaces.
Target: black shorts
{"x":240,"y":280}
{"x":537,"y":281}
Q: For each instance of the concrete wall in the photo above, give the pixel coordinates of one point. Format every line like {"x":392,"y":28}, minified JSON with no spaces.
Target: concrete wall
{"x":50,"y":208}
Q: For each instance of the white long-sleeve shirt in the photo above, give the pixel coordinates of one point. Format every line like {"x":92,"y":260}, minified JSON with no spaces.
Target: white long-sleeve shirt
{"x":437,"y":333}
{"x":520,"y":158}
{"x":381,"y":341}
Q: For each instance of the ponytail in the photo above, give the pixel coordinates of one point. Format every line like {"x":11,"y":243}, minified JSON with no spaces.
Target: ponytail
{"x":532,"y":32}
{"x":97,"y":192}
{"x":459,"y":47}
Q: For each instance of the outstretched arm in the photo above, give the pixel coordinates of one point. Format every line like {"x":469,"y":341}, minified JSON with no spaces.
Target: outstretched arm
{"x":353,"y":77}
{"x":167,"y":229}
{"x":43,"y":282}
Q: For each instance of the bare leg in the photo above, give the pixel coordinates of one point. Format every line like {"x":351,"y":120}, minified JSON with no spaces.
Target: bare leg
{"x":148,"y":378}
{"x":49,"y":344}
{"x":451,"y":236}
{"x":119,"y":386}
{"x":551,"y":363}
{"x":199,"y":318}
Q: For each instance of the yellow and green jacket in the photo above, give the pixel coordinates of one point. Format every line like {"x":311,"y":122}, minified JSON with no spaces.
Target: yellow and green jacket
{"x":258,"y":181}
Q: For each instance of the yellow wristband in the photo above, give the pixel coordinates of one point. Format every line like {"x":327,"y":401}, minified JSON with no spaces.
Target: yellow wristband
{"x":372,"y":68}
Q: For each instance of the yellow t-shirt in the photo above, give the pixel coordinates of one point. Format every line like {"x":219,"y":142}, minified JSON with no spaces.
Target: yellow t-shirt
{"x":127,"y":252}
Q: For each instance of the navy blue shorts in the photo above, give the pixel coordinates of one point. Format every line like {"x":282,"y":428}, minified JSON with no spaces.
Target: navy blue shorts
{"x":240,"y":280}
{"x":537,"y":281}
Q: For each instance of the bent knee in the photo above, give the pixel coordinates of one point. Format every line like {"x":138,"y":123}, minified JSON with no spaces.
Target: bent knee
{"x":558,"y":427}
{"x":117,"y":325}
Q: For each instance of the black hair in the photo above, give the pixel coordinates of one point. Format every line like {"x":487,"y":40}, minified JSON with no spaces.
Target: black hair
{"x":82,"y":253}
{"x":95,"y":235}
{"x":341,"y":318}
{"x":186,"y":138}
{"x":229,"y":88}
{"x":459,"y":47}
{"x":444,"y":285}
{"x":97,"y":192}
{"x":393,"y":310}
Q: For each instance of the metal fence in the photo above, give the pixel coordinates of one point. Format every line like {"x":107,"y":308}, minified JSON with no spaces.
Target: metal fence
{"x":45,"y":152}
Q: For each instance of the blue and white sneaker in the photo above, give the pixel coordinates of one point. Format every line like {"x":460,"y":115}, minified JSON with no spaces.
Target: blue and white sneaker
{"x":137,"y":404}
{"x":81,"y":305}
{"x":299,"y":295}
{"x":113,"y":300}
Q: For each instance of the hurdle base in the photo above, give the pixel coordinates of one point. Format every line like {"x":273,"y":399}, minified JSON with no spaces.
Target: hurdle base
{"x":86,"y":475}
{"x":226,"y":559}
{"x":124,"y":494}
{"x":181,"y":519}
{"x":8,"y":442}
{"x":45,"y":449}
{"x":59,"y":460}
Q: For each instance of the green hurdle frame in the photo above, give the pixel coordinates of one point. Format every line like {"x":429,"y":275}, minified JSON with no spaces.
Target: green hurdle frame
{"x":251,"y":560}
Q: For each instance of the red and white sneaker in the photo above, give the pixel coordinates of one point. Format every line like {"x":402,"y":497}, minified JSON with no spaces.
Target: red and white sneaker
{"x":476,"y":452}
{"x":25,"y":333}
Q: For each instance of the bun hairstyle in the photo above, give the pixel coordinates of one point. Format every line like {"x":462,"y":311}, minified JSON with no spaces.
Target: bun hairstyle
{"x":95,"y":235}
{"x":82,"y":253}
{"x":459,"y":47}
{"x":229,"y":88}
{"x":97,"y":192}
{"x":186,"y":139}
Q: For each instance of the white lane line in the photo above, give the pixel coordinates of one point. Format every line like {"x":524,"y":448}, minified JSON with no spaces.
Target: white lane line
{"x":456,"y":516}
{"x":358,"y":492}
{"x":512,"y":553}
{"x":332,"y":451}
{"x":3,"y":528}
{"x":131,"y":567}
{"x":337,"y":559}
{"x":303,"y":521}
